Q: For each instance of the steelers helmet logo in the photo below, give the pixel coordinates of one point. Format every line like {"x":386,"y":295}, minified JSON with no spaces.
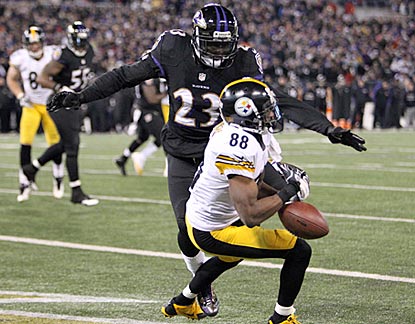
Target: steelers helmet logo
{"x":244,"y":106}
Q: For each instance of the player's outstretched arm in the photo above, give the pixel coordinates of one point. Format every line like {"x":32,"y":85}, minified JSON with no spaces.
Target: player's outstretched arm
{"x":308,"y":117}
{"x":107,"y":84}
{"x":346,"y":137}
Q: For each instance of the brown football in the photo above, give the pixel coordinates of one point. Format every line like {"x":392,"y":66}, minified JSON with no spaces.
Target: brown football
{"x":303,"y":220}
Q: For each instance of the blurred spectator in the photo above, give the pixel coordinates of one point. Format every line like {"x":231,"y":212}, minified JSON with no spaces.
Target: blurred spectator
{"x":360,"y":96}
{"x":306,"y":37}
{"x":341,"y":102}
{"x":410,"y":105}
{"x":383,"y":100}
{"x":321,"y":94}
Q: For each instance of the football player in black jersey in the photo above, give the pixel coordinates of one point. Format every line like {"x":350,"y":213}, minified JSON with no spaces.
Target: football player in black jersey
{"x":70,"y":70}
{"x":150,"y":122}
{"x":197,"y":67}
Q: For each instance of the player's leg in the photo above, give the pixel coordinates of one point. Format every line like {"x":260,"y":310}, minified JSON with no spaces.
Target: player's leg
{"x":29,"y":124}
{"x":239,"y":241}
{"x":180,"y":177}
{"x":142,"y":136}
{"x":185,"y":303}
{"x":52,"y":138}
{"x":144,"y":131}
{"x":71,"y":140}
{"x":121,"y":161}
{"x":69,"y":124}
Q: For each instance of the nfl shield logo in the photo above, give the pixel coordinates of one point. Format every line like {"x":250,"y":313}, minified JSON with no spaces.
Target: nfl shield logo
{"x":202,"y":76}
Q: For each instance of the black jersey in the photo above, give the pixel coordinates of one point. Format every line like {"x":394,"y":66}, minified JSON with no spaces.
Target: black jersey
{"x":194,"y":91}
{"x":77,"y":70}
{"x":143,"y":102}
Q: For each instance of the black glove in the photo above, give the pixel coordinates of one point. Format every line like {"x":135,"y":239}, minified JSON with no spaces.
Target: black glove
{"x":64,"y":99}
{"x":291,"y":188}
{"x":346,"y":137}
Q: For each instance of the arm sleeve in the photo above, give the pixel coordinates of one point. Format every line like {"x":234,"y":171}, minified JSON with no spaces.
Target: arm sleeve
{"x":126,"y":76}
{"x":302,"y":114}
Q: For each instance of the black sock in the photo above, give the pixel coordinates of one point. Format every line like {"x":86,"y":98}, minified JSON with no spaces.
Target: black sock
{"x":25,"y":154}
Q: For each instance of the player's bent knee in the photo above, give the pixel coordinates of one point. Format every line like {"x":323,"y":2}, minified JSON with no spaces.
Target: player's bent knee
{"x":302,"y":251}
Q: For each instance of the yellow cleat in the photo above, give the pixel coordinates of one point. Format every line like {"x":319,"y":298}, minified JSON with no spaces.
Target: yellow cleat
{"x":192,"y":311}
{"x":292,"y":319}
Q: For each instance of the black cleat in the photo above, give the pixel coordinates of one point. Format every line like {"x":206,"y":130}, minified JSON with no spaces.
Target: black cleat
{"x":208,"y":301}
{"x":120,"y":163}
{"x":79,"y":197}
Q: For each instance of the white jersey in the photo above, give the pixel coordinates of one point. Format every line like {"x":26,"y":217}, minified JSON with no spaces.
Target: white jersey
{"x":230,"y":151}
{"x":30,"y":69}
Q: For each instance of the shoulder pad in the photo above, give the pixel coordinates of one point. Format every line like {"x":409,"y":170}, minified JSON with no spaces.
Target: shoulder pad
{"x":249,"y":59}
{"x":171,"y":47}
{"x":17,"y":57}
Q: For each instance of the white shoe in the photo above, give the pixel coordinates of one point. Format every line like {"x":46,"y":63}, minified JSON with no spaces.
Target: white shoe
{"x":24,"y":193}
{"x":89,"y":202}
{"x":139,"y":162}
{"x":58,"y":188}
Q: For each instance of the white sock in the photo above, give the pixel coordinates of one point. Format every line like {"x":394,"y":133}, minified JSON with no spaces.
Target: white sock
{"x":126,"y":152}
{"x":36,"y":164}
{"x":58,"y":170}
{"x":149,"y":150}
{"x":284,"y":311}
{"x":187,"y":293}
{"x":23,"y":179}
{"x":74,"y":184}
{"x":193,"y":263}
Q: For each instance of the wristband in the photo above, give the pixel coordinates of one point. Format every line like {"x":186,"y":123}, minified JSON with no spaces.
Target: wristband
{"x":20,"y":95}
{"x":287,"y":192}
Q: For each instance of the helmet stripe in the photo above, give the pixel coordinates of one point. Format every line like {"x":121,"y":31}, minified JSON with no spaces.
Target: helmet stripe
{"x":217,"y":18}
{"x":225,"y":19}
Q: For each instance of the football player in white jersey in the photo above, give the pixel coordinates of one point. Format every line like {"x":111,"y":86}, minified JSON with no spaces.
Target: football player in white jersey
{"x":224,"y":213}
{"x":25,"y":65}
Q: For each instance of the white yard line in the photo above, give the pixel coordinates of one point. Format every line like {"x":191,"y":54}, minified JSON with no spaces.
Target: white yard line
{"x":166,"y":202}
{"x":75,"y":318}
{"x":36,"y":297}
{"x":176,"y":256}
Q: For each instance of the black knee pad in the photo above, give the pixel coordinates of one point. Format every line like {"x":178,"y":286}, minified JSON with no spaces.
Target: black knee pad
{"x":301,"y":251}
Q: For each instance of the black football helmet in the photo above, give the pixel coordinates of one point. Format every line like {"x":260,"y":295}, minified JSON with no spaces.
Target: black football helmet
{"x":215,"y":36}
{"x":252,"y":105}
{"x":78,"y":35}
{"x":34,"y":34}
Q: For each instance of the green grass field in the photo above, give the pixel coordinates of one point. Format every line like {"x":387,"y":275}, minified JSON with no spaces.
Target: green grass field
{"x":118,"y":262}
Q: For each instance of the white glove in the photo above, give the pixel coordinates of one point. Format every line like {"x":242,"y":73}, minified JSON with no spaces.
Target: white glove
{"x":24,"y":101}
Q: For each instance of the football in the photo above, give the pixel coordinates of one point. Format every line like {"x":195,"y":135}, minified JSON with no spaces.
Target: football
{"x":303,"y":220}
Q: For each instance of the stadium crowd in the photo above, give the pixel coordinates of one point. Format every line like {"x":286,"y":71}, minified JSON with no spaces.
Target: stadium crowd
{"x":318,"y":51}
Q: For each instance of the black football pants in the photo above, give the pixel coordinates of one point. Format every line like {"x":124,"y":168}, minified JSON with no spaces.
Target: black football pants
{"x":68,"y":123}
